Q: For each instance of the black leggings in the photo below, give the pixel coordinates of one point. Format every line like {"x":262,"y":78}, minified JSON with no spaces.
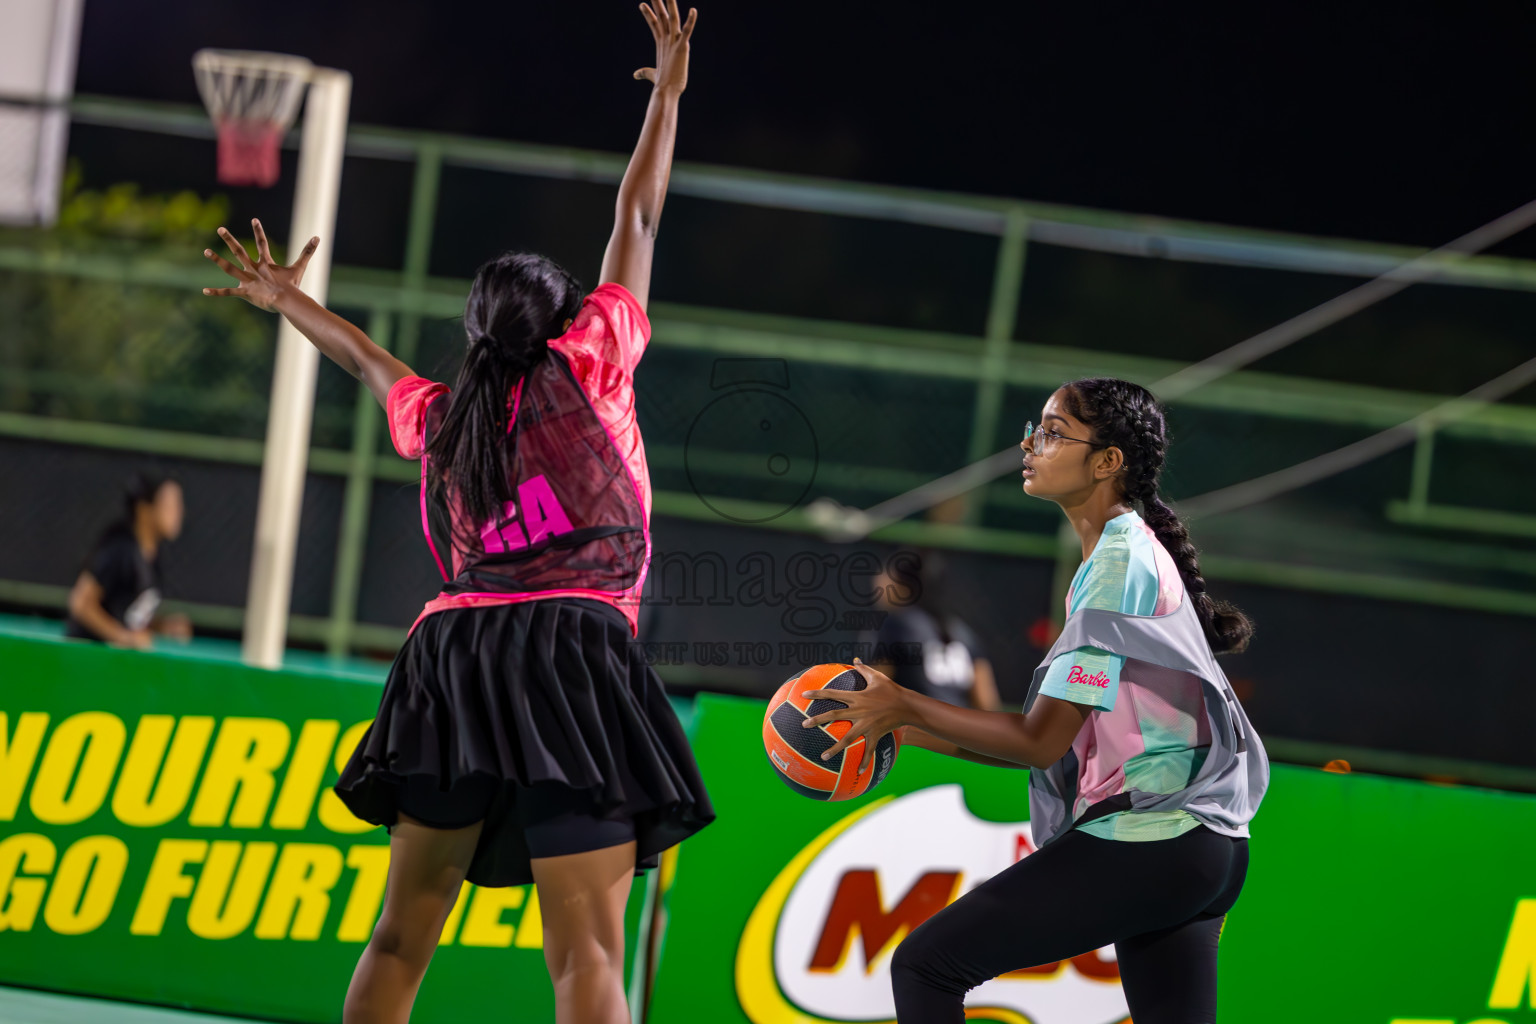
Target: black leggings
{"x":1161,"y":903}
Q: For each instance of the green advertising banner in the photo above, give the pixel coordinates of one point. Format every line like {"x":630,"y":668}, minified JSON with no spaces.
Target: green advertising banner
{"x":168,"y":835}
{"x":1369,"y":900}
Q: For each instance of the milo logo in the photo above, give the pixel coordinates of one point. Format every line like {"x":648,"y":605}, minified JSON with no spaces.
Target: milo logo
{"x":817,"y":947}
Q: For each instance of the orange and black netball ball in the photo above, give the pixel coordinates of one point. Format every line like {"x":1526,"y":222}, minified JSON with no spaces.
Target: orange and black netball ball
{"x":795,"y":751}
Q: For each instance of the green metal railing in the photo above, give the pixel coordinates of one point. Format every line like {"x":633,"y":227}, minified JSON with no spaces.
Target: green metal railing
{"x":398,"y":302}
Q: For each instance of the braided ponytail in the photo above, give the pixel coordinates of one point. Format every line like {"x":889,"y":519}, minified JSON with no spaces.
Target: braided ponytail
{"x":1227,"y":629}
{"x":517,"y":304}
{"x":1126,"y":416}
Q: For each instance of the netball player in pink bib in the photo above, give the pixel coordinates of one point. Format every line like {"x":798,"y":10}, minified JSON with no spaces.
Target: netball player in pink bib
{"x":1146,"y":771}
{"x":521,"y":736}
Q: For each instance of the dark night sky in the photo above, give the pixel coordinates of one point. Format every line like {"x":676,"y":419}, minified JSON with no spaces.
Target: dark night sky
{"x":1409,"y":122}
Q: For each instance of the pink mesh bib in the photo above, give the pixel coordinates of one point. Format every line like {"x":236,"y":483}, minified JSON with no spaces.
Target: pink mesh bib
{"x":576,"y":523}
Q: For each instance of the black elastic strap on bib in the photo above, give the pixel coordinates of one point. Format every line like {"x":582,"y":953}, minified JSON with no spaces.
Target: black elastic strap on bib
{"x":559,"y":542}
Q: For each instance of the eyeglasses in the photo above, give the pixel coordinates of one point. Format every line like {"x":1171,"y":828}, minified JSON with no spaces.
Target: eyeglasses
{"x":1043,"y":442}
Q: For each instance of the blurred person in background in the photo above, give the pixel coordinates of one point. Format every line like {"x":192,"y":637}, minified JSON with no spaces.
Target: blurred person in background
{"x":521,"y":737}
{"x":923,"y":644}
{"x":117,"y":596}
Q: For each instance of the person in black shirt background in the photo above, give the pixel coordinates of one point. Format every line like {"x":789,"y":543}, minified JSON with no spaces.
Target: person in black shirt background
{"x":117,"y":596}
{"x":952,"y":665}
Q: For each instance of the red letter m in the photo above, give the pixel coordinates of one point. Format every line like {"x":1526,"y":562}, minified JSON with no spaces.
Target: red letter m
{"x":856,"y":906}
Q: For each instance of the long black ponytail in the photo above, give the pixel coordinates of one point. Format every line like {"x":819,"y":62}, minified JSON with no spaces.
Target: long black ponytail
{"x":519,"y":301}
{"x":1126,"y":416}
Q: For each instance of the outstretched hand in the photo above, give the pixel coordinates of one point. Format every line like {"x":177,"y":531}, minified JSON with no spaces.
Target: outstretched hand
{"x":872,"y":712}
{"x":672,"y":33}
{"x":261,"y":282}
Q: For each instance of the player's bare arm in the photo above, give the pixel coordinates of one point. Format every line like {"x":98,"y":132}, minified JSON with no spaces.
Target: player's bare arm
{"x":274,"y":287}
{"x":1037,"y":739}
{"x":627,"y":260}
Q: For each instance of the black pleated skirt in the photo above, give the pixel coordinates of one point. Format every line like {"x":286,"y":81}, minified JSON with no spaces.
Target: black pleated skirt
{"x":483,"y":703}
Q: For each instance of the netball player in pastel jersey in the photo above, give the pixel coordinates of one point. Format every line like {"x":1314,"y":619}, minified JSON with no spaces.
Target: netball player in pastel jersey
{"x":1146,"y":769}
{"x":520,"y":736}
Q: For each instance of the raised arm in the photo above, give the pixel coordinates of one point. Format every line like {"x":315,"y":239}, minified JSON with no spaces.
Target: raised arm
{"x":267,"y":284}
{"x":627,"y":260}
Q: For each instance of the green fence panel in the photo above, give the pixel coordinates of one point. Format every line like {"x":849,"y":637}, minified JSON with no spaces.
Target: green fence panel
{"x":168,"y":835}
{"x":1369,"y":900}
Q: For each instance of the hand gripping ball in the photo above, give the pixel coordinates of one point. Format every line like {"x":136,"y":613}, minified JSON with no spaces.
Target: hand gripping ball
{"x":795,"y":751}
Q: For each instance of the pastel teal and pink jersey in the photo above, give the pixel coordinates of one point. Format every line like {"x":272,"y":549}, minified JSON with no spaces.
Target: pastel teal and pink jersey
{"x":602,"y":348}
{"x":1149,"y":731}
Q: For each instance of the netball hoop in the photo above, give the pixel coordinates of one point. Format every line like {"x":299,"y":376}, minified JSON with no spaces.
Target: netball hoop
{"x":253,"y":99}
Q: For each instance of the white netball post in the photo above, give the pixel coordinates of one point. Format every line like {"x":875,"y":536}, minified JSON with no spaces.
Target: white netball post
{"x":253,"y":98}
